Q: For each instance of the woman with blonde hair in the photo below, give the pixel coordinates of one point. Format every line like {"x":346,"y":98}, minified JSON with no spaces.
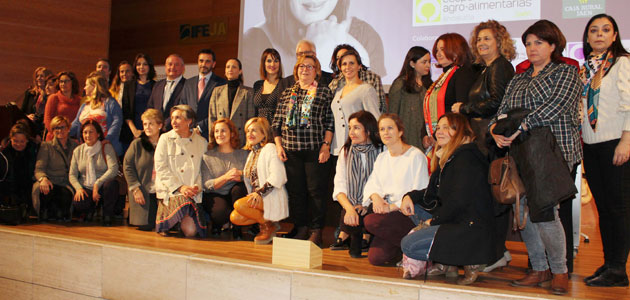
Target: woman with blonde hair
{"x":265,"y":177}
{"x":100,"y":107}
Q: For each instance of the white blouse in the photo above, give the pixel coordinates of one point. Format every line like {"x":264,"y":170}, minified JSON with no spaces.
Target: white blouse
{"x":363,"y":97}
{"x":394,"y":176}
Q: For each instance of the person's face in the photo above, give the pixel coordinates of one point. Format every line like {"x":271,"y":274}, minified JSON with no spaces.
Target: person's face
{"x":125,"y":73}
{"x":310,"y":11}
{"x":356,"y":132}
{"x":232,"y":71}
{"x":306,"y":71}
{"x":349,"y":67}
{"x":65,"y":84}
{"x":389,"y":131}
{"x":440,"y":55}
{"x":151,"y":127}
{"x":180,"y":123}
{"x":39,"y":79}
{"x":51,"y":88}
{"x":487,"y":45}
{"x":90,"y":135}
{"x":272,"y":65}
{"x":422,"y":66}
{"x":222,"y":134}
{"x":103,"y":67}
{"x":18,"y":142}
{"x":255,"y":134}
{"x":174,"y":67}
{"x":538,"y":51}
{"x":61,"y":131}
{"x":601,"y":35}
{"x":206,"y":63}
{"x":339,"y":54}
{"x":304,"y":49}
{"x":89,"y":88}
{"x":443,"y":132}
{"x":142,"y":66}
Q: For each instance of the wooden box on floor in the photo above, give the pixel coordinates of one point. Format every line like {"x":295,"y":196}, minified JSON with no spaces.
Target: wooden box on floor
{"x":296,"y":253}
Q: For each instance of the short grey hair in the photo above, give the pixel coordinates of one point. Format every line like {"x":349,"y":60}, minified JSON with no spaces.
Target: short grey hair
{"x":305,"y":42}
{"x":189,"y":113}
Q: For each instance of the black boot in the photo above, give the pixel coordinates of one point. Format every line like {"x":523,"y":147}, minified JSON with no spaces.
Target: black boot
{"x":356,"y":241}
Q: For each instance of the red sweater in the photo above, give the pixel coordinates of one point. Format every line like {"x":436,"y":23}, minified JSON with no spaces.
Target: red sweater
{"x":58,"y":104}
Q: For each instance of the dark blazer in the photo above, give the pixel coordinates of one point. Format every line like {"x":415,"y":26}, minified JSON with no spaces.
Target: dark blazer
{"x":464,"y":212}
{"x":459,"y":86}
{"x":157,"y":99}
{"x":486,"y":93}
{"x":242,"y":108}
{"x":200,"y":106}
{"x":129,"y":109}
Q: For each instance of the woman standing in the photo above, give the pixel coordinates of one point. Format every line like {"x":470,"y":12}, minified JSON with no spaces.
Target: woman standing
{"x":222,"y":174}
{"x":354,"y":166}
{"x":266,"y":90}
{"x":93,"y":171}
{"x":265,"y":177}
{"x":303,"y":130}
{"x":606,"y":133}
{"x":101,"y":107}
{"x":34,"y":102}
{"x":135,"y":98}
{"x":140,"y":174}
{"x":459,"y":199}
{"x":553,"y":104}
{"x":52,"y":194}
{"x":354,"y":96}
{"x":406,"y":95}
{"x":123,"y":75}
{"x":400,"y":169}
{"x":177,"y":160}
{"x":453,"y":55}
{"x":65,"y":102}
{"x":232,"y":100}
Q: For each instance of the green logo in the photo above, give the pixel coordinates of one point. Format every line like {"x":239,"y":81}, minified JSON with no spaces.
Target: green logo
{"x":427,"y":11}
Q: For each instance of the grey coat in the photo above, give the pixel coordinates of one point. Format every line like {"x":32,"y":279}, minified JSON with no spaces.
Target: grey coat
{"x":54,"y":164}
{"x":242,"y":108}
{"x":105,"y":171}
{"x":138,"y":169}
{"x":409,"y":106}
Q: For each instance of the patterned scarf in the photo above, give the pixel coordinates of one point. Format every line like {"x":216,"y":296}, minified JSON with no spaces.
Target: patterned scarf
{"x":358,"y":173}
{"x":594,"y":69}
{"x":251,"y":172}
{"x":434,"y":99}
{"x":300,"y":118}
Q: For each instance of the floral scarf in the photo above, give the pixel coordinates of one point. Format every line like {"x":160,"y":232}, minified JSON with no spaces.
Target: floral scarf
{"x":302,"y":117}
{"x":594,"y":69}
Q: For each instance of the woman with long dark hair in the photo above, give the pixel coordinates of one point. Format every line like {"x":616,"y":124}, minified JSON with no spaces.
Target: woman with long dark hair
{"x":266,"y":90}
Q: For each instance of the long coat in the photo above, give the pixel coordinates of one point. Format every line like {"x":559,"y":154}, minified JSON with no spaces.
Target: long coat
{"x":242,"y":108}
{"x":138,"y":169}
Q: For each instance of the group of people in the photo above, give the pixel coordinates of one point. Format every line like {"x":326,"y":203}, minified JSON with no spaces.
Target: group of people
{"x":417,"y":163}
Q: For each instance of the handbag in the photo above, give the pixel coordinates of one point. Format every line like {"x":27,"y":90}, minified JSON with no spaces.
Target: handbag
{"x":507,"y":186}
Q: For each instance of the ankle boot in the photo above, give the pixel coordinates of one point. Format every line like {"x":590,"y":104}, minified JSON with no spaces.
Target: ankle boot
{"x":316,"y":237}
{"x":267,"y":233}
{"x":560,"y":284}
{"x":355,"y":245}
{"x":470,"y":274}
{"x":533,"y":278}
{"x":440,"y":269}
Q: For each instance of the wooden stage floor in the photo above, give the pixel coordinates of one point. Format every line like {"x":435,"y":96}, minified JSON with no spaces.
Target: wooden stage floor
{"x":587,"y":260}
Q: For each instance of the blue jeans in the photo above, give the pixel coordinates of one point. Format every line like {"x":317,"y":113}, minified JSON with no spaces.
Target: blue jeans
{"x":420,"y":215}
{"x":545,"y":236}
{"x":418,"y":244}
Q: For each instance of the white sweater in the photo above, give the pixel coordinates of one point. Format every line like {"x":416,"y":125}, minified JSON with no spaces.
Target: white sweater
{"x":395,"y":176}
{"x":271,"y":169}
{"x":614,"y":105}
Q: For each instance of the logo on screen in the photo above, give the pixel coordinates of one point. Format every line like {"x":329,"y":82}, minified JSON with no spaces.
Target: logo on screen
{"x":427,"y":11}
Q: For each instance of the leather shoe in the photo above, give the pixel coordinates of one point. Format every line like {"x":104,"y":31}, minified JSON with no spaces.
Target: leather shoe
{"x":560,"y":284}
{"x":598,"y":272}
{"x":266,"y":235}
{"x":439,"y":269}
{"x":316,"y":237}
{"x":609,"y":278}
{"x":533,"y":278}
{"x":340,"y":244}
{"x":471,"y":272}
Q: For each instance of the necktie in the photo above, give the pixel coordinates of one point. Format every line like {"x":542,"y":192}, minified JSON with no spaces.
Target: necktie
{"x":200,"y":87}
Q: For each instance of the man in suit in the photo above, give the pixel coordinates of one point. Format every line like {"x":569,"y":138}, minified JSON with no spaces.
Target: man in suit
{"x":305,"y":47}
{"x":167,"y":92}
{"x":198,"y":89}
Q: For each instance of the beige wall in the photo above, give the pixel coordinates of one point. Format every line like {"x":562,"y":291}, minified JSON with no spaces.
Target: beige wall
{"x":61,"y":35}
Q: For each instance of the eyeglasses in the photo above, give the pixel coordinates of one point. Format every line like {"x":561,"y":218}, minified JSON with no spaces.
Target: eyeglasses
{"x":59,"y":128}
{"x":308,"y":67}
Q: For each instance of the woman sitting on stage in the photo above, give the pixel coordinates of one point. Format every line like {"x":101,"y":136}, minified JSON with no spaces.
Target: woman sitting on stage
{"x":265,"y":177}
{"x":355,"y":163}
{"x":178,"y":175}
{"x":93,"y":171}
{"x":222,"y":172}
{"x":459,"y":198}
{"x":52,"y":193}
{"x":139,"y":171}
{"x":400,"y":169}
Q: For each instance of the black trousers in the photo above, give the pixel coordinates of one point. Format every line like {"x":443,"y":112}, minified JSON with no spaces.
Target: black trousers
{"x":610,"y":186}
{"x":307,"y":187}
{"x":58,"y":201}
{"x":109,"y":196}
{"x":219,"y":207}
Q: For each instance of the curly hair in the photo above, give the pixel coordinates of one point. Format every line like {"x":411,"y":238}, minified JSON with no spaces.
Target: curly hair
{"x":501,"y":35}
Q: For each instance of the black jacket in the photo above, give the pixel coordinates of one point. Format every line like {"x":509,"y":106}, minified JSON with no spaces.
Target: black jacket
{"x":464,"y":210}
{"x":487,"y":91}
